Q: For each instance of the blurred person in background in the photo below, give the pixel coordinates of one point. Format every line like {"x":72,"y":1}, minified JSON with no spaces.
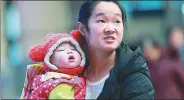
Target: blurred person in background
{"x":113,"y":70}
{"x":151,"y":49}
{"x":175,"y":44}
{"x":167,"y":77}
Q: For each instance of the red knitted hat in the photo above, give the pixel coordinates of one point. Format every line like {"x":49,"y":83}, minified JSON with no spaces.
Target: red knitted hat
{"x":42,"y":53}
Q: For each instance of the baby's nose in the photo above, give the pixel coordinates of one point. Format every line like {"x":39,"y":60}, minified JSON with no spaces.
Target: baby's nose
{"x":69,"y":51}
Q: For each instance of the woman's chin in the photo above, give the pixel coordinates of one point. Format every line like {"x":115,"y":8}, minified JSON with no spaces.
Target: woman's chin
{"x":110,"y":47}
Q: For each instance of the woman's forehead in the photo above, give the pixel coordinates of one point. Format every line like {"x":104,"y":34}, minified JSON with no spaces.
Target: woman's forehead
{"x":104,"y":8}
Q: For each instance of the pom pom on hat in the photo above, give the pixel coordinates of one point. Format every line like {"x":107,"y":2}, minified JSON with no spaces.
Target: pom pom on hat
{"x":37,"y":53}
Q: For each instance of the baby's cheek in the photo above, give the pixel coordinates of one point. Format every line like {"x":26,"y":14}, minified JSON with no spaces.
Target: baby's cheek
{"x":60,"y":61}
{"x":78,"y":60}
{"x":63,"y":64}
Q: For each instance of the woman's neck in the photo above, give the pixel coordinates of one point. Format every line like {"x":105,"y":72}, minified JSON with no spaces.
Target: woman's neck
{"x":101,"y":62}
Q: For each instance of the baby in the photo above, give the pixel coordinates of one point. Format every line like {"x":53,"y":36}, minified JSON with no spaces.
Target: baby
{"x":62,"y":60}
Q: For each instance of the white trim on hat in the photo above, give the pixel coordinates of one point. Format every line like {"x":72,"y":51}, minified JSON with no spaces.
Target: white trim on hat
{"x":65,"y":39}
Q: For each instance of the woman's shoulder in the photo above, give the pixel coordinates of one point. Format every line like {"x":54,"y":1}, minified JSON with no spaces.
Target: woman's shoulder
{"x":130,"y":60}
{"x":131,"y":72}
{"x":127,"y":54}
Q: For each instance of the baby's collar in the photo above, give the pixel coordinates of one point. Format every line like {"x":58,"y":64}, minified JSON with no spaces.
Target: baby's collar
{"x":50,"y":75}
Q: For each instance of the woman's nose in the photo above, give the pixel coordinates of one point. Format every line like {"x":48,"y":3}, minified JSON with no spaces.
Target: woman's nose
{"x":109,"y":29}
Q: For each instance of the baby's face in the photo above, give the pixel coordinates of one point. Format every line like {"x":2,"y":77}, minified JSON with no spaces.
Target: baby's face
{"x":66,"y":56}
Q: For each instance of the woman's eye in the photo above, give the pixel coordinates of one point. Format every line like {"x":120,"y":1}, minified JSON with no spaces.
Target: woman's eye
{"x":117,"y":21}
{"x":101,"y":21}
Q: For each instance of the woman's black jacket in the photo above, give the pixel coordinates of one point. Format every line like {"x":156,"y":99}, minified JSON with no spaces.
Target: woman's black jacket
{"x":130,"y":78}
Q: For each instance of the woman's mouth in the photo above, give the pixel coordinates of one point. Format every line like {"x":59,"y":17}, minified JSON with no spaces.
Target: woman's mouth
{"x":109,"y":39}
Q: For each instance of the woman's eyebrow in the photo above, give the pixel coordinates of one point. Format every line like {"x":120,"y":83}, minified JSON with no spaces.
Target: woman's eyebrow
{"x":103,"y":14}
{"x":100,"y":14}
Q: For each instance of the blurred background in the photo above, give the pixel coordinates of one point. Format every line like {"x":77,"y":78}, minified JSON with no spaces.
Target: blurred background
{"x":25,"y":23}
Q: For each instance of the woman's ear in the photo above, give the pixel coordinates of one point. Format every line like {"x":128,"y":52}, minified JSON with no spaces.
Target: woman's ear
{"x":81,"y":28}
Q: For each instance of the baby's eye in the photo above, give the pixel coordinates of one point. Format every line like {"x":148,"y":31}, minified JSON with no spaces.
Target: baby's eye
{"x":101,"y":21}
{"x":73,"y":49}
{"x":60,"y":50}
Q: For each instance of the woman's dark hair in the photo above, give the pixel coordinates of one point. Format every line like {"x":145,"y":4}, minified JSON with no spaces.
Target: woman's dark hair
{"x":87,"y":9}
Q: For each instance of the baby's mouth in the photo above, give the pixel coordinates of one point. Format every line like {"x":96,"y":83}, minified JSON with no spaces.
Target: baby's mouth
{"x":71,"y":58}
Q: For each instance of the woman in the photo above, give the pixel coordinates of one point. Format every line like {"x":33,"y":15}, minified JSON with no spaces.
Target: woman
{"x":114,"y":70}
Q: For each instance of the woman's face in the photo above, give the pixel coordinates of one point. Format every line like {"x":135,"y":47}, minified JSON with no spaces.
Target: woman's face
{"x":105,"y":26}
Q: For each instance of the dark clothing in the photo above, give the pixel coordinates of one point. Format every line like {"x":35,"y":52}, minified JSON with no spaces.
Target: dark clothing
{"x":167,"y":75}
{"x":130,"y":78}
